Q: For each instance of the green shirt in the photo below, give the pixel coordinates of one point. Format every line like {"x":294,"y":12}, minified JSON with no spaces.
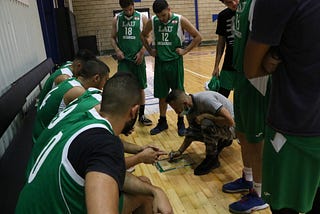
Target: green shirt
{"x":51,"y":104}
{"x":49,"y":84}
{"x":86,"y":101}
{"x":128,"y":34}
{"x":241,"y":31}
{"x":167,"y":37}
{"x":53,"y":186}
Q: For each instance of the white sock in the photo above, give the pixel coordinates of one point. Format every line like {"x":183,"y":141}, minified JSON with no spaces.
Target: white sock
{"x":247,"y":173}
{"x":257,"y":188}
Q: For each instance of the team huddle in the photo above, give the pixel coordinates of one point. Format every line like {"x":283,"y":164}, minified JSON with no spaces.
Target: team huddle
{"x":78,"y":162}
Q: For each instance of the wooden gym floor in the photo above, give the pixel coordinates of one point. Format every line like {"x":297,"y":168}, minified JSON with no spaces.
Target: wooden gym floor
{"x":187,"y":193}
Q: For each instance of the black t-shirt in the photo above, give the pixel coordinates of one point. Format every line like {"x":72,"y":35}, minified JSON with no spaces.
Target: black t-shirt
{"x":224,"y":28}
{"x":295,"y":93}
{"x":98,"y":150}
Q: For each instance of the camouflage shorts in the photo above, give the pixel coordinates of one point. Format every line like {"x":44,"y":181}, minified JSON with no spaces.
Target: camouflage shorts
{"x":213,"y":136}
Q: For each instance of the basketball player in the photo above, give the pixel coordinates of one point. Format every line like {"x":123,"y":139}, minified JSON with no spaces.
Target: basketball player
{"x":66,"y":71}
{"x":94,"y":73}
{"x":82,"y":168}
{"x":168,"y":29}
{"x":125,"y":39}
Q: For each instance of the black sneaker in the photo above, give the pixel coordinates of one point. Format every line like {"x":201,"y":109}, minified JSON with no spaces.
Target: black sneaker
{"x":181,"y":129}
{"x":206,"y":166}
{"x":223,"y":144}
{"x":161,"y":126}
{"x":145,"y":121}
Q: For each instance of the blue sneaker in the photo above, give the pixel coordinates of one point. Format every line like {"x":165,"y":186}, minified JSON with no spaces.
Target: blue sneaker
{"x":239,"y":185}
{"x":248,"y":204}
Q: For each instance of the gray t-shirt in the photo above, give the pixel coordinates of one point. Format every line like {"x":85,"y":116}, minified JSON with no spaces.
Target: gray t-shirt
{"x":207,"y":102}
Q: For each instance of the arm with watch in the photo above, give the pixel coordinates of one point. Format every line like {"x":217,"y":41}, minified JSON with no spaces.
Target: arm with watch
{"x":186,"y":143}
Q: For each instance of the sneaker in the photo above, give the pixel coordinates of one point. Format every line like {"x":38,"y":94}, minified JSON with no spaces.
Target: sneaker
{"x":145,"y":121}
{"x":239,"y":185}
{"x":161,"y":126}
{"x":181,"y":129}
{"x":248,"y":203}
{"x":223,"y":144}
{"x":206,"y":166}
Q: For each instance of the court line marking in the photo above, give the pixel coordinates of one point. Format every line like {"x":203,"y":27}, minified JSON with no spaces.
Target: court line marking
{"x":197,"y":74}
{"x":197,"y":59}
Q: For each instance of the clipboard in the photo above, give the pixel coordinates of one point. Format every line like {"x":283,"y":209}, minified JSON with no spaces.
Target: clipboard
{"x":165,"y":164}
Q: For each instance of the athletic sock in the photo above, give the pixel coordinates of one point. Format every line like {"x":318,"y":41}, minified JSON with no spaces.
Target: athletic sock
{"x":247,"y":173}
{"x":257,"y":188}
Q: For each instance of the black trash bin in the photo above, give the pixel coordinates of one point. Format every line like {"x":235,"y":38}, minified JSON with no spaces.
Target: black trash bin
{"x":88,"y":42}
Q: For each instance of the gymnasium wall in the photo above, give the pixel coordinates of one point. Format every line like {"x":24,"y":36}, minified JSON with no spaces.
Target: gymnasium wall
{"x":95,"y":17}
{"x":22,"y":48}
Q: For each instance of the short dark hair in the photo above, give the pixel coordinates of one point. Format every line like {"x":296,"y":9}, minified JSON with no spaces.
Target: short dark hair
{"x":159,"y":5}
{"x":93,"y":67}
{"x":120,"y":93}
{"x":126,"y":3}
{"x":174,"y":95}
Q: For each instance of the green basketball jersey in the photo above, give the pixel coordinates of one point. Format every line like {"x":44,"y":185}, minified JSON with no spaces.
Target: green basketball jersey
{"x":167,"y":37}
{"x":49,"y":84}
{"x":53,"y":185}
{"x":90,"y":98}
{"x":50,"y":105}
{"x":128,"y":34}
{"x":66,"y":64}
{"x":241,"y":30}
{"x":86,"y":101}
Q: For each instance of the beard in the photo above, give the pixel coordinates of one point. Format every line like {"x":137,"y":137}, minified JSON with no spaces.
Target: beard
{"x":128,"y":127}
